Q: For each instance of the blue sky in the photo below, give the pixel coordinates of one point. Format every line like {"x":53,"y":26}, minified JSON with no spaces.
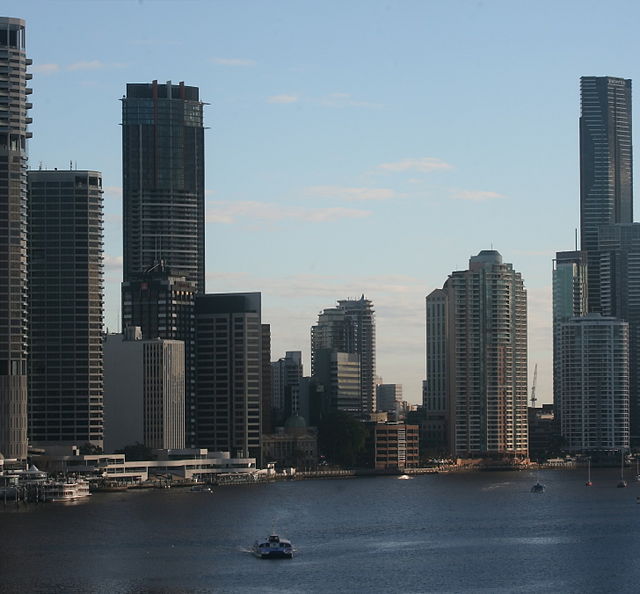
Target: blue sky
{"x":353,"y":147}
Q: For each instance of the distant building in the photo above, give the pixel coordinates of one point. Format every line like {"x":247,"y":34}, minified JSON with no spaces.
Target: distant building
{"x":486,"y":358}
{"x":569,"y":301}
{"x":339,"y":376}
{"x":619,"y":265}
{"x":65,"y":308}
{"x":265,"y":406}
{"x":229,"y":360}
{"x":543,"y":433}
{"x":13,"y":237}
{"x":392,"y":446}
{"x":163,"y":180}
{"x":350,"y":328}
{"x":435,"y":392}
{"x":161,"y":304}
{"x":389,"y":398}
{"x":594,"y":380}
{"x":293,"y":445}
{"x":286,"y":373}
{"x":144,"y":392}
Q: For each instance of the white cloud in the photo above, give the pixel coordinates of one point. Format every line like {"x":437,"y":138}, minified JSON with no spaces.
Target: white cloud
{"x":45,"y":68}
{"x":228,"y":212}
{"x":344,"y":100}
{"x":112,"y":262}
{"x":475,"y":195}
{"x":283,"y":99}
{"x":91,"y":65}
{"x":352,"y":194}
{"x":234,"y":61}
{"x":113,"y":191}
{"x":422,"y":164}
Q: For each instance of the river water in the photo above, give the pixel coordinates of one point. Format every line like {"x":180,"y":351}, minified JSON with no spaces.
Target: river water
{"x":471,"y":532}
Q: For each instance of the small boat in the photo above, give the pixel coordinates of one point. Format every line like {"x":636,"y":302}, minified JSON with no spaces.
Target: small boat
{"x":405,"y":477}
{"x":201,"y":489}
{"x":273,"y":547}
{"x":621,"y":483}
{"x":538,"y":488}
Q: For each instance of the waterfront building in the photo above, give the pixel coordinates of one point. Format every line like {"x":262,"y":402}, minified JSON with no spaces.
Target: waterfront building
{"x":606,"y":160}
{"x":619,"y":265}
{"x":435,"y":388}
{"x":339,"y":375}
{"x":392,"y":446}
{"x":229,"y":365}
{"x":163,"y":180}
{"x":486,"y":359}
{"x":65,"y":308}
{"x":161,"y":304}
{"x":144,"y":391}
{"x":293,"y":445}
{"x":594,"y":380}
{"x":543,"y":433}
{"x":266,"y":424}
{"x":569,"y":300}
{"x":286,"y":374}
{"x":13,"y":237}
{"x":350,"y":328}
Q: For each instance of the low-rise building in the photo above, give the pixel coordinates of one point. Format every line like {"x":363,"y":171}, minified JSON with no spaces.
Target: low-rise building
{"x":392,"y":446}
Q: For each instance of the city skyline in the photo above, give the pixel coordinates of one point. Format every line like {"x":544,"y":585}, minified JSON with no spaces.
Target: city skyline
{"x":397,"y":130}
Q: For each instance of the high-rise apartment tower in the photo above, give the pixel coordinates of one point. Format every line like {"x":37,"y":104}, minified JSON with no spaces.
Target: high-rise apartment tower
{"x":65,"y":308}
{"x":606,"y":159}
{"x":13,"y":237}
{"x":486,"y":358}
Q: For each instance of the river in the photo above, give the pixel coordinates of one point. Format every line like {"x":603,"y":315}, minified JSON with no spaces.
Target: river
{"x":459,"y":532}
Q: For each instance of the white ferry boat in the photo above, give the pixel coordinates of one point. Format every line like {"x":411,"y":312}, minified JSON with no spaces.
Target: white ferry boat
{"x":273,"y":547}
{"x":68,"y":490}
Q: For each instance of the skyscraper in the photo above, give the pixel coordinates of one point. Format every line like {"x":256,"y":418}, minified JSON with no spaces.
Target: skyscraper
{"x":65,"y":308}
{"x":350,"y":328}
{"x":229,"y":359}
{"x":161,"y":304}
{"x":569,"y":300}
{"x":163,"y":180}
{"x":486,"y":358}
{"x":606,"y":159}
{"x":13,"y":237}
{"x":619,"y":263}
{"x":594,"y":379}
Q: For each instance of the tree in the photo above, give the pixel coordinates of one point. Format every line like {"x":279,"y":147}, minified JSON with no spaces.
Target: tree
{"x":341,"y":438}
{"x":136,"y":451}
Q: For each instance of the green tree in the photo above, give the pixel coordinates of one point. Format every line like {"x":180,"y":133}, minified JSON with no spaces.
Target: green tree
{"x":341,"y":438}
{"x":136,"y":451}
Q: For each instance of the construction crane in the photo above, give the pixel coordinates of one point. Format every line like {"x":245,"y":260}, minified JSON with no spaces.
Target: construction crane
{"x":533,"y":386}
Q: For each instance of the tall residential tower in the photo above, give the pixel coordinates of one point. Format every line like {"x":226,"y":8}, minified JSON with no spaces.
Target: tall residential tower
{"x":606,"y":159}
{"x":13,"y":237}
{"x":485,"y":338}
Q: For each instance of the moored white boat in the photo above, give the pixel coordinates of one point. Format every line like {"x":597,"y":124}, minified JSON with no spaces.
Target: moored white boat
{"x":68,"y":490}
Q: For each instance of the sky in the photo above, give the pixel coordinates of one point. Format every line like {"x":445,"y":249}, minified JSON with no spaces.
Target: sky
{"x":359,"y":147}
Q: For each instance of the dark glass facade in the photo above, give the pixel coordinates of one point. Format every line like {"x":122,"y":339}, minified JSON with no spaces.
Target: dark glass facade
{"x":65,"y":308}
{"x":230,"y":367}
{"x":606,"y":178}
{"x":13,"y":237}
{"x":163,"y":180}
{"x":161,"y":304}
